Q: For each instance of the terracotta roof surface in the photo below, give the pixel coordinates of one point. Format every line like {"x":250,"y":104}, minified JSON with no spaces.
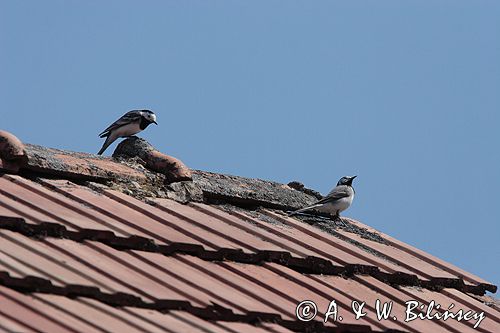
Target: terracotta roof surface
{"x":93,"y":244}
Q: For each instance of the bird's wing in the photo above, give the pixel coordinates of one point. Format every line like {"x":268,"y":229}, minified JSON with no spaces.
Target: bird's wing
{"x":337,"y":193}
{"x":127,"y":118}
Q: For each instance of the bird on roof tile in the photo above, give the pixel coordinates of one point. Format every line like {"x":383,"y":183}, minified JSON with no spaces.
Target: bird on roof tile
{"x":129,"y":124}
{"x":338,"y":200}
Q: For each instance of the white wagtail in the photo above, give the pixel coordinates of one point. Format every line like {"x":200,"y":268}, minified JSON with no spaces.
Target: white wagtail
{"x":129,"y":124}
{"x":338,"y":200}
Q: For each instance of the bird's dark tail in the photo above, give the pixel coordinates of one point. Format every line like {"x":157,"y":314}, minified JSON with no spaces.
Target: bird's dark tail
{"x":104,"y":133}
{"x":298,"y":211}
{"x":105,"y":145}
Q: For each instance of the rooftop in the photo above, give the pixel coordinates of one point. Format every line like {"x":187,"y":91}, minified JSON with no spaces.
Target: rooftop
{"x":141,"y":243}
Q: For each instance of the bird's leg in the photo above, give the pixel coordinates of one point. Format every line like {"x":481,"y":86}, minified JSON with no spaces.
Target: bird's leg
{"x":339,"y":219}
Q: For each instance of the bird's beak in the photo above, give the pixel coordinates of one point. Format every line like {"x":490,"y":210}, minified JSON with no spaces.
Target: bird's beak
{"x":353,"y":177}
{"x":154,"y":122}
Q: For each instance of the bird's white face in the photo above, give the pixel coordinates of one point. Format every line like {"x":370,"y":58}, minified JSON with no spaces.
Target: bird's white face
{"x":151,"y":117}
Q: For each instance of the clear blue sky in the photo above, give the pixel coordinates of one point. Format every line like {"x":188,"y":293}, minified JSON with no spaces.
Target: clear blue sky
{"x":405,"y":94}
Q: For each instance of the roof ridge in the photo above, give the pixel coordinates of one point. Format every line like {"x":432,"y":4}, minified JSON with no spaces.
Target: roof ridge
{"x":17,"y":157}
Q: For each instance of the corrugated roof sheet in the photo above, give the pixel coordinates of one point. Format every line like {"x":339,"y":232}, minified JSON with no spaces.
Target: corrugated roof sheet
{"x":78,"y":256}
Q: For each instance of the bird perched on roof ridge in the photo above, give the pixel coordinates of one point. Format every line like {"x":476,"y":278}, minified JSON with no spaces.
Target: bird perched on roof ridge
{"x":129,"y":124}
{"x":338,"y":200}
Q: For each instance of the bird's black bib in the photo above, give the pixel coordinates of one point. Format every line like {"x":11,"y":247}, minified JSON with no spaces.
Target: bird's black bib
{"x":144,"y":123}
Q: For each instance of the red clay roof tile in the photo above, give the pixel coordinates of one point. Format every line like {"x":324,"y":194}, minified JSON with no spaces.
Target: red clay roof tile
{"x":89,"y":258}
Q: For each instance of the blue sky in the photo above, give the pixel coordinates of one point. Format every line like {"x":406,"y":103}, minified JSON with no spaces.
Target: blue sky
{"x":405,"y":94}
